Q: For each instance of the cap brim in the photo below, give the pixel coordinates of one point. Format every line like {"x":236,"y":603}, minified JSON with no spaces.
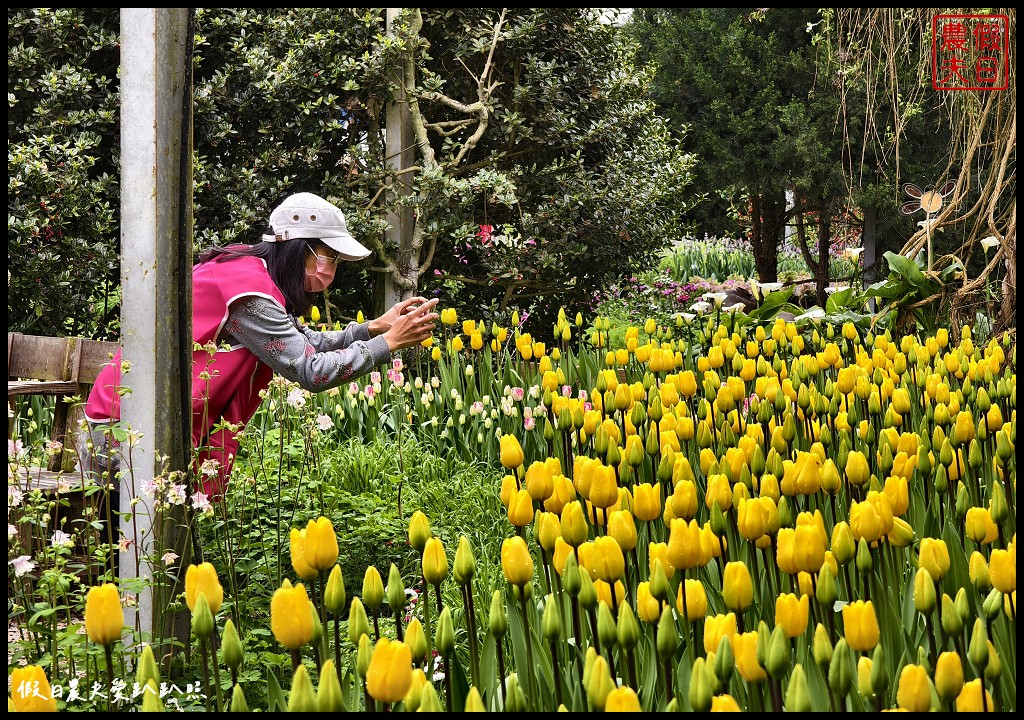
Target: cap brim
{"x":346,"y":246}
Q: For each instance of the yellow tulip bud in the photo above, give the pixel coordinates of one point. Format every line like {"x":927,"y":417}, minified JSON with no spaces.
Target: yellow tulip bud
{"x":516,"y":562}
{"x":203,"y":579}
{"x":435,"y":562}
{"x":389,"y":676}
{"x":31,"y":691}
{"x":291,"y":619}
{"x":104,"y":616}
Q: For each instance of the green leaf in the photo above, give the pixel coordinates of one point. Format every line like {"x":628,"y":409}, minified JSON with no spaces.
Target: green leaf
{"x":275,"y":696}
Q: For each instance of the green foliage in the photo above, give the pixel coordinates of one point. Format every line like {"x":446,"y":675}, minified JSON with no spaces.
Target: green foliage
{"x":62,"y":165}
{"x":573,"y":160}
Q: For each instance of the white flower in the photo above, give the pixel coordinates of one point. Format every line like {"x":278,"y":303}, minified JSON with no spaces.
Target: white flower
{"x":836,"y":288}
{"x":60,"y":539}
{"x":324,"y":422}
{"x":11,"y":531}
{"x":700,"y":307}
{"x":928,"y":223}
{"x":149,"y":488}
{"x":296,"y":398}
{"x":201,"y":502}
{"x":717,"y":298}
{"x":169,"y":558}
{"x":853,"y":253}
{"x":176,"y":495}
{"x":769,"y":287}
{"x":14,"y":496}
{"x":814,"y":315}
{"x":22,"y":565}
{"x":210,"y":467}
{"x":735,"y":307}
{"x":15,"y":450}
{"x":688,"y":317}
{"x":989,"y":242}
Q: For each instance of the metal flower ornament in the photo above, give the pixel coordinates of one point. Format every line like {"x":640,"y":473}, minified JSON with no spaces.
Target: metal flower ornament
{"x":930,"y":200}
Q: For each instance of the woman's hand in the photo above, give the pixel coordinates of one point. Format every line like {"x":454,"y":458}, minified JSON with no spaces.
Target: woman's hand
{"x":413,"y":325}
{"x":387,"y":320}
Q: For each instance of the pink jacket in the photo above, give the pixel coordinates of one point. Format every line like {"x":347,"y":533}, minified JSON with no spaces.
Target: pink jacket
{"x":225,"y":385}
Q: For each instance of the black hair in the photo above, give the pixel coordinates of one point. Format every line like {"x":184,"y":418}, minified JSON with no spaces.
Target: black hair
{"x":286,"y":263}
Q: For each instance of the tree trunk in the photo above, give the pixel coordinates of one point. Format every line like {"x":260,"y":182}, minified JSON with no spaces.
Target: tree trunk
{"x":824,"y":245}
{"x":768,"y":222}
{"x":1009,"y":308}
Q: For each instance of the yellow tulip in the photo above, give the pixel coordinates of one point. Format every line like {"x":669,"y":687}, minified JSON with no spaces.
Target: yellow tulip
{"x":857,"y":469}
{"x":389,"y":677}
{"x":809,"y":548}
{"x":974,"y":698}
{"x":562,"y":492}
{"x":604,"y":593}
{"x":949,"y":676}
{"x":715,"y":628}
{"x":516,"y":562}
{"x":914,"y":692}
{"x":608,"y":560}
{"x":791,"y":613}
{"x":934,"y":557}
{"x":511,"y":451}
{"x":622,"y":528}
{"x":658,"y":553}
{"x":737,"y":587}
{"x":538,"y":481}
{"x":684,"y":551}
{"x":1002,"y":569}
{"x":622,"y":699}
{"x":298,"y":554}
{"x":604,"y":489}
{"x":979,"y":526}
{"x":435,"y":562}
{"x":696,"y":600}
{"x":724,"y":703}
{"x":104,"y":616}
{"x":520,"y":508}
{"x":30,"y":690}
{"x":648,"y":609}
{"x":744,"y":648}
{"x":684,"y":500}
{"x":574,"y":524}
{"x":861,"y":625}
{"x":203,"y":578}
{"x":419,"y":530}
{"x":647,"y":501}
{"x":291,"y":618}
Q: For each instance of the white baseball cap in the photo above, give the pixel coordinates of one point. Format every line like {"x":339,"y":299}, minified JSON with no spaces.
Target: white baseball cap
{"x":308,"y":216}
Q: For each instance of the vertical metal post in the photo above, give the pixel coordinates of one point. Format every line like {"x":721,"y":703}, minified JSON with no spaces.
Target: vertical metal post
{"x":154,"y":57}
{"x":401,"y":154}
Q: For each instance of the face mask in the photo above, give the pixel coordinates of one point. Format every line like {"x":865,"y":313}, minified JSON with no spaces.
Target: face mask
{"x":321,"y":278}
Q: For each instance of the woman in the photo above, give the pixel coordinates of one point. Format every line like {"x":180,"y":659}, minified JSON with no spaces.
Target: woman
{"x":245,"y":300}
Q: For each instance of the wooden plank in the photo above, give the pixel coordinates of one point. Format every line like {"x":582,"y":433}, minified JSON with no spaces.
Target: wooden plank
{"x":94,"y":354}
{"x":34,"y":478}
{"x":40,"y":387}
{"x":40,"y":358}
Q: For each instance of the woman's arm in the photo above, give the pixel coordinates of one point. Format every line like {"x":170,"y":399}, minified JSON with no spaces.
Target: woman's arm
{"x":271,"y":335}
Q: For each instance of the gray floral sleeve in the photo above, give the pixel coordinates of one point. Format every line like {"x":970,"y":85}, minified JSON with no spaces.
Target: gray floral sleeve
{"x":315,"y":360}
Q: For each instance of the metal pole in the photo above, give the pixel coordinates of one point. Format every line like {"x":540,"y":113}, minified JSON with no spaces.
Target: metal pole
{"x":154,"y":58}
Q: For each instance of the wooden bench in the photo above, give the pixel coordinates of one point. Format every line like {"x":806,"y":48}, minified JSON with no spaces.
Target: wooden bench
{"x":58,"y":368}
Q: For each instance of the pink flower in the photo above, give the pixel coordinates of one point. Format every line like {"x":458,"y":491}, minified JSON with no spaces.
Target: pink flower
{"x":375,"y":377}
{"x":529,"y":423}
{"x":396,"y":364}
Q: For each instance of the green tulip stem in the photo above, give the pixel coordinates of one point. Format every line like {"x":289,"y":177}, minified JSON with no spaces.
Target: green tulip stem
{"x":499,"y":645}
{"x":296,"y":659}
{"x":108,"y":651}
{"x":425,"y":602}
{"x":216,"y":673}
{"x":577,"y":632}
{"x":557,"y":679}
{"x":529,"y":643}
{"x":594,"y":639}
{"x":337,"y":643}
{"x":376,"y":623}
{"x":398,"y":624}
{"x":666,"y":671}
{"x":474,"y":662}
{"x":449,"y":693}
{"x":206,"y":673}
